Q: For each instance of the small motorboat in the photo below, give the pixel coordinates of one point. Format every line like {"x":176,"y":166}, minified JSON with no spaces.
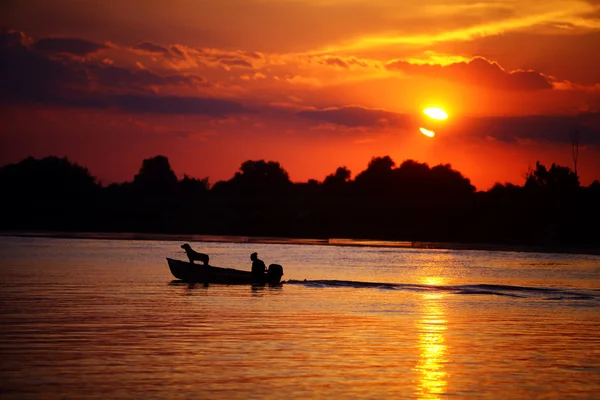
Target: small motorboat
{"x":200,"y":273}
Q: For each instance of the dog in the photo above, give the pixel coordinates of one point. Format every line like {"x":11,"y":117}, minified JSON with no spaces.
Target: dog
{"x":194,"y":255}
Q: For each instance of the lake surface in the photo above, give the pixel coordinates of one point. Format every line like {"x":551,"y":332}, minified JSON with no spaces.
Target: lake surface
{"x":82,"y":318}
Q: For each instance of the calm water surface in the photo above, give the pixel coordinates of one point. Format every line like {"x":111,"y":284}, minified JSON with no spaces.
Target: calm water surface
{"x":87,"y":318}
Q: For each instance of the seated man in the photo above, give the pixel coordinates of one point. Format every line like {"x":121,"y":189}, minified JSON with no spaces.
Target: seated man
{"x":259,"y":269}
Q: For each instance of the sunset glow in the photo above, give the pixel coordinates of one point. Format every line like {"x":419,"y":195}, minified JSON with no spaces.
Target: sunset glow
{"x":300,"y":199}
{"x":210,"y":88}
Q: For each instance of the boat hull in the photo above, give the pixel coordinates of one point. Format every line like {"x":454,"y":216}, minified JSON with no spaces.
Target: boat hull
{"x":209,"y":274}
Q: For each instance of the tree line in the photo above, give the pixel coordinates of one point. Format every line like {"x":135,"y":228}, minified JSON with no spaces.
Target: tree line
{"x":410,"y":201}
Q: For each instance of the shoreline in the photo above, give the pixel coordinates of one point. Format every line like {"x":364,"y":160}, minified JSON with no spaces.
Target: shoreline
{"x":302,"y":241}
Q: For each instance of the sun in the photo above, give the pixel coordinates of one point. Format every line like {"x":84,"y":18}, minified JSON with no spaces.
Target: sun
{"x":427,"y":132}
{"x":436,"y":113}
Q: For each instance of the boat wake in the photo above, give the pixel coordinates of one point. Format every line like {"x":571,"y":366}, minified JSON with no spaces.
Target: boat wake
{"x":476,"y":289}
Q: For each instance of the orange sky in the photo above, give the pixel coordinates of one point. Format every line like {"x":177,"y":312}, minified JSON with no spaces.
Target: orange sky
{"x":313,"y":84}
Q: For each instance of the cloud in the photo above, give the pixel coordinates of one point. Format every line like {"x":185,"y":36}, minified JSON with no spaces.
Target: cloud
{"x":252,"y":54}
{"x":312,"y":60}
{"x":479,"y":72}
{"x":297,"y":79}
{"x":179,"y":56}
{"x":536,"y":128}
{"x":12,"y":38}
{"x":237,"y":58}
{"x":112,"y":76}
{"x":30,"y":76}
{"x":335,"y":61}
{"x":354,"y":61}
{"x":354,"y":116}
{"x":75,"y":46}
{"x":509,"y":129}
{"x":177,"y":51}
{"x":151,"y":47}
{"x":176,"y":105}
{"x":425,"y":24}
{"x":27,"y":75}
{"x":232,"y":62}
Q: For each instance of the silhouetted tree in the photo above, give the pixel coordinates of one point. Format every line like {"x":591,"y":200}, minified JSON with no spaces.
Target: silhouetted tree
{"x":48,"y":192}
{"x":557,"y":177}
{"x":256,"y":177}
{"x":154,"y":198}
{"x":155,"y":176}
{"x":193,"y":187}
{"x":338,"y":182}
{"x":342,"y":175}
{"x":414,"y":170}
{"x":552,"y":198}
{"x":377,"y":178}
{"x":450,"y":182}
{"x":310,"y":188}
{"x":410,"y":202}
{"x":503,"y":191}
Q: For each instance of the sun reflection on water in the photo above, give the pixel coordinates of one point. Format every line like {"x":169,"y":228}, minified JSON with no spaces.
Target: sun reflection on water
{"x":431,"y":328}
{"x":434,"y":280}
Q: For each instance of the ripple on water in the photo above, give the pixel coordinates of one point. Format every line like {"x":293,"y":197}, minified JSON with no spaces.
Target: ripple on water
{"x":113,"y":324}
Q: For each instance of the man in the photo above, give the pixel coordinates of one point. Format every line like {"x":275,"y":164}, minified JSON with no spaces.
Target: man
{"x":259,"y":268}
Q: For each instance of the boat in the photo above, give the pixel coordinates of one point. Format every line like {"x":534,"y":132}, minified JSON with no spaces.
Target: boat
{"x":200,"y":273}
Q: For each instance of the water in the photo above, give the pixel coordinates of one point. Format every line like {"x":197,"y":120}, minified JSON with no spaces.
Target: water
{"x":85,"y":318}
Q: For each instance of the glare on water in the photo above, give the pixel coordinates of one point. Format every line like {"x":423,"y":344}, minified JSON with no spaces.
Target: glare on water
{"x":104,"y":318}
{"x":431,"y":329}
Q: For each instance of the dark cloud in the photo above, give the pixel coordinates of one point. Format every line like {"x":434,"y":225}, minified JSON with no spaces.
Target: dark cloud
{"x":232,"y":62}
{"x":345,"y":63}
{"x":252,"y":54}
{"x":212,"y":57}
{"x":354,"y":61}
{"x":336,"y":62}
{"x":176,"y":105}
{"x":75,"y":46}
{"x":29,"y":76}
{"x":11,"y":38}
{"x":353,"y":116}
{"x":152,"y":47}
{"x":537,"y":128}
{"x":480,"y":72}
{"x":176,"y":51}
{"x":112,"y":76}
{"x":236,"y":58}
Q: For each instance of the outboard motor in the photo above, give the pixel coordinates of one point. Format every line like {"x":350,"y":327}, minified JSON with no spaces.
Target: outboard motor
{"x":274,"y":274}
